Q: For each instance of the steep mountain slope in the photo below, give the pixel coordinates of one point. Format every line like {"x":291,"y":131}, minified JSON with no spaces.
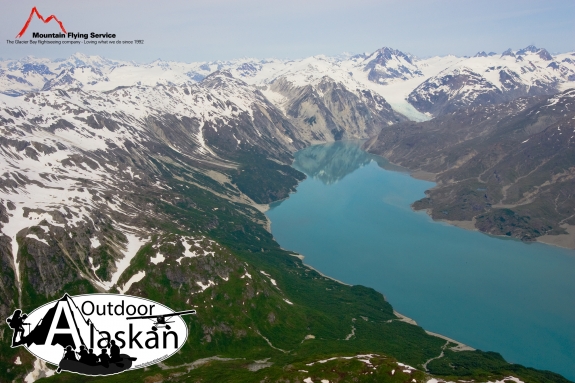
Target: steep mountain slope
{"x":80,"y":162}
{"x":155,"y":189}
{"x":327,"y":111}
{"x":507,"y":167}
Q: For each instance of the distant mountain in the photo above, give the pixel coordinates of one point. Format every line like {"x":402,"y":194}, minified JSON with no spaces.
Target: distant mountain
{"x":485,"y":79}
{"x":387,"y":63}
{"x":151,"y":180}
{"x":412,"y":87}
{"x":506,"y":167}
{"x":75,"y":77}
{"x":328,"y":111}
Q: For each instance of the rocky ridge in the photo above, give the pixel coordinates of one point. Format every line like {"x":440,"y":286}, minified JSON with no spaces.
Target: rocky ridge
{"x":150,"y":180}
{"x":508,"y":168}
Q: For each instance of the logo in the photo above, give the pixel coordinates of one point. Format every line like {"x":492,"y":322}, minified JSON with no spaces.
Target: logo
{"x":46,"y":21}
{"x":100,"y":334}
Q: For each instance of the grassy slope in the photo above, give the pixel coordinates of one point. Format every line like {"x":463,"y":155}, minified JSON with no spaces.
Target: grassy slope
{"x":321,"y":307}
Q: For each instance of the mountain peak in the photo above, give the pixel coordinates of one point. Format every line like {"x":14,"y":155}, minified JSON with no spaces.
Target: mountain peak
{"x":508,"y":52}
{"x":544,"y":54}
{"x":531,"y":48}
{"x":386,"y":53}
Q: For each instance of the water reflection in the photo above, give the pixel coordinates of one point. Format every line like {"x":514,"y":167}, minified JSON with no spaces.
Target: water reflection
{"x":353,"y":222}
{"x":330,"y":163}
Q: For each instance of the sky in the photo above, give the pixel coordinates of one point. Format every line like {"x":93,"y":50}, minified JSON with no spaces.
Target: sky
{"x":209,"y":30}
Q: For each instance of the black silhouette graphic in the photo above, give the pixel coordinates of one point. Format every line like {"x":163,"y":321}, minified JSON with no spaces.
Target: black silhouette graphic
{"x":69,"y":354}
{"x":69,"y":320}
{"x":93,"y":364}
{"x":16,"y":322}
{"x":104,"y":358}
{"x":83,"y":354}
{"x":114,"y":352}
{"x":160,"y":320}
{"x":91,"y":358}
{"x":40,"y":333}
{"x":63,"y":324}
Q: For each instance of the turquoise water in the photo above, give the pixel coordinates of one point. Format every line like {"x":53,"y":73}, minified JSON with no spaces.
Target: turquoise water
{"x":352,"y":220}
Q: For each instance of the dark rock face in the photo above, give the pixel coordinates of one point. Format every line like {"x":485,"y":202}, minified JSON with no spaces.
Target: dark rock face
{"x":508,"y":52}
{"x":328,"y":111}
{"x":508,"y":166}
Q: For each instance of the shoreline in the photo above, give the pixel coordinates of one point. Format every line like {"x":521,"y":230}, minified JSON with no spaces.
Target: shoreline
{"x":564,"y":241}
{"x":459,"y":345}
{"x":301,"y":257}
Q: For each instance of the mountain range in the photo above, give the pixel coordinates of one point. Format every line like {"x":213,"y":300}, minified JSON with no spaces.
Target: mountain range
{"x":152,"y":180}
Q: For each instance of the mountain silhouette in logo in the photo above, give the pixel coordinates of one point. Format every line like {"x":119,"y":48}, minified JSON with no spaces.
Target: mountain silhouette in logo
{"x":46,"y":21}
{"x":75,"y":324}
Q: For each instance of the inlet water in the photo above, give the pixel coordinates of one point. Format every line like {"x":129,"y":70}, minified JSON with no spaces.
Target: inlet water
{"x":351,"y":219}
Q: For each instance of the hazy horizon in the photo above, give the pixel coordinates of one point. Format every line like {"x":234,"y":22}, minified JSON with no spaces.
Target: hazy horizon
{"x":223,"y":30}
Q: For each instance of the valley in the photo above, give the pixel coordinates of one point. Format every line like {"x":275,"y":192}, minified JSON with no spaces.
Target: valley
{"x":150,"y":180}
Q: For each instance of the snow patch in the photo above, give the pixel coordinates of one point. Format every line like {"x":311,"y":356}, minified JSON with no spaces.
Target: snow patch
{"x":34,"y":236}
{"x":405,"y":366}
{"x":94,"y":243}
{"x":133,"y":279}
{"x":204,"y":287}
{"x":158,"y":258}
{"x":273,"y":281}
{"x":134,"y":244}
{"x":40,"y":371}
{"x":188,"y":253}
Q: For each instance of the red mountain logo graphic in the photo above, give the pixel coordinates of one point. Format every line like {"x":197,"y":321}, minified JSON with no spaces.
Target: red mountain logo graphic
{"x":50,"y":18}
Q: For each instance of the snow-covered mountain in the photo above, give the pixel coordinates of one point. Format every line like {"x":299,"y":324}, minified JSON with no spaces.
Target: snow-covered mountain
{"x":491,"y":79}
{"x":415,"y":88}
{"x":74,"y":130}
{"x":388,"y":64}
{"x":76,"y":165}
{"x":151,"y":178}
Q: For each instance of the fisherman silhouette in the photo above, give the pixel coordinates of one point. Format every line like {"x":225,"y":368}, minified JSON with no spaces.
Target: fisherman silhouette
{"x":70,"y":354}
{"x":115,"y":352}
{"x":104,"y":358}
{"x":83,"y":354}
{"x":16,"y":322}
